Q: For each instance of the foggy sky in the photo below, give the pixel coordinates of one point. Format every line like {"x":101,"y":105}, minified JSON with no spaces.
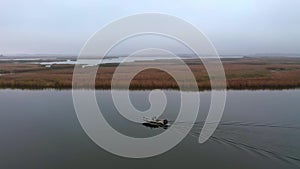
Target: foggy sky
{"x":234,"y":26}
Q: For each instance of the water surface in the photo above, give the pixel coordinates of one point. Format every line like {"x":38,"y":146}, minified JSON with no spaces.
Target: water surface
{"x":259,"y":129}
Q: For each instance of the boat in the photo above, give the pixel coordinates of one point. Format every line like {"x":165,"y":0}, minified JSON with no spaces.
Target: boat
{"x":155,"y":123}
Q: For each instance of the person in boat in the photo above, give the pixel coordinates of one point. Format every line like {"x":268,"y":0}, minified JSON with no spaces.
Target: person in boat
{"x":155,"y":123}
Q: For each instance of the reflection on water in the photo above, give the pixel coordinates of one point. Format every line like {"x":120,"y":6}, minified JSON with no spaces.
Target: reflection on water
{"x":259,"y":129}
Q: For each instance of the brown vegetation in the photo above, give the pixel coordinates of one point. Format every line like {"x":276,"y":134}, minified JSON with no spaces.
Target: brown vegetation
{"x":245,"y":73}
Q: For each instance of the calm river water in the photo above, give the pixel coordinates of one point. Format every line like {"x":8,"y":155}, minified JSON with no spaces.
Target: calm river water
{"x":259,"y":129}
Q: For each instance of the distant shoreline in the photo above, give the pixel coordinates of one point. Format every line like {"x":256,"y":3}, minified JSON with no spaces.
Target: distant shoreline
{"x":241,"y":73}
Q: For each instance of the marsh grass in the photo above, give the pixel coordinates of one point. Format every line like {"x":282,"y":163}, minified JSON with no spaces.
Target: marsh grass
{"x":246,"y":73}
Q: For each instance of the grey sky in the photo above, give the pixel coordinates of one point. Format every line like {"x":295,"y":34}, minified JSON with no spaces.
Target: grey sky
{"x":234,"y":26}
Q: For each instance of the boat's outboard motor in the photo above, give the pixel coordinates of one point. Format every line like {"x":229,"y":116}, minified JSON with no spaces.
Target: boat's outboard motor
{"x":165,"y":122}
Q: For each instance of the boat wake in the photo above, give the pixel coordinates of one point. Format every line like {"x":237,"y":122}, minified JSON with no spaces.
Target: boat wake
{"x":250,"y":137}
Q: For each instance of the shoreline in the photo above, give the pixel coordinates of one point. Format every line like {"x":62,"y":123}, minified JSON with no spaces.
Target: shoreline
{"x":148,"y":89}
{"x":70,"y":89}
